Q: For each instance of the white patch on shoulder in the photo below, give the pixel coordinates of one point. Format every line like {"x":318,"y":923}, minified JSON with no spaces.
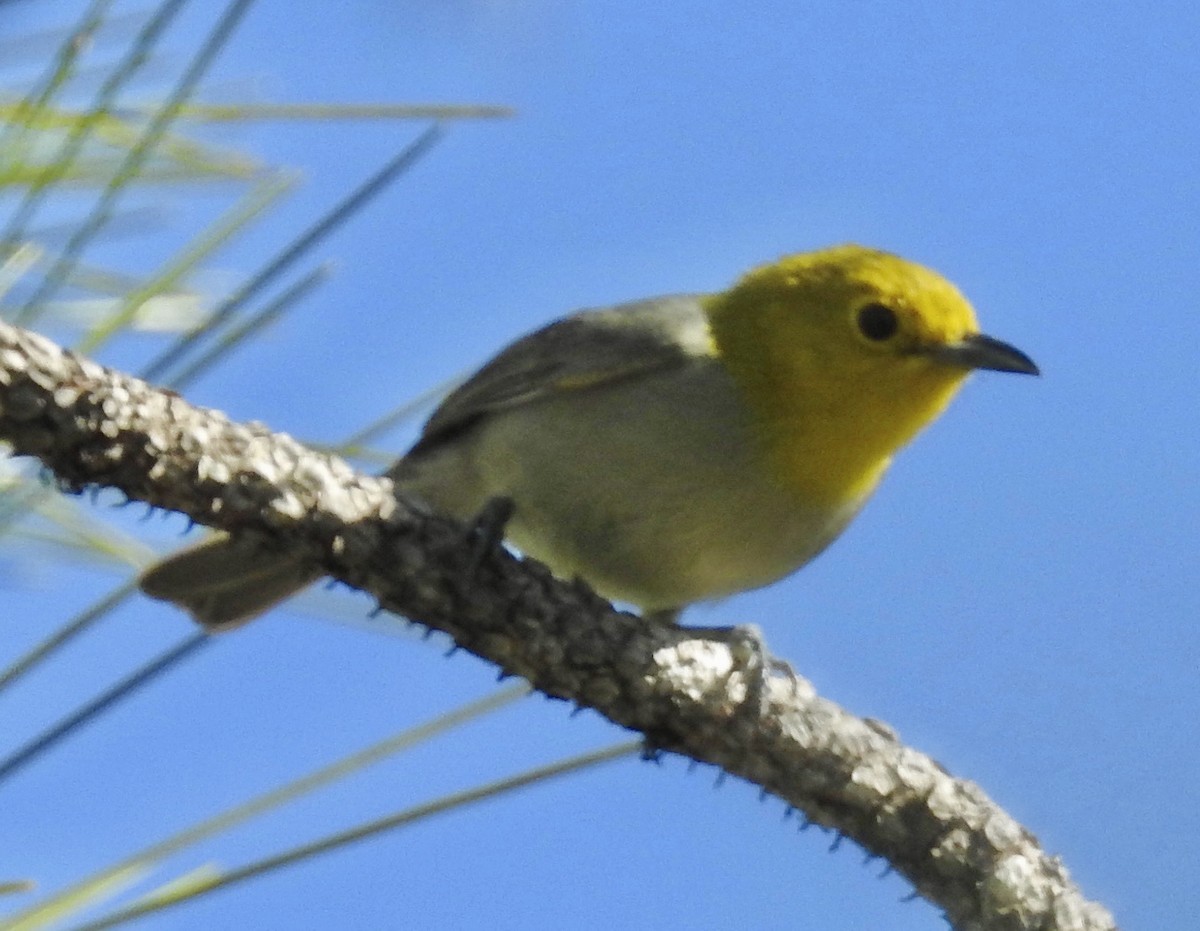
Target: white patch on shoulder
{"x":696,"y":338}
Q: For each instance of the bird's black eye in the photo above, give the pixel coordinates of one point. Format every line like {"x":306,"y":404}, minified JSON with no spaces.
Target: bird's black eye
{"x":877,"y":322}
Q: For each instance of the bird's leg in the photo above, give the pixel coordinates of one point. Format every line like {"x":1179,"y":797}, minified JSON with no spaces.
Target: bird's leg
{"x":485,"y":532}
{"x":663,"y":616}
{"x":749,"y":649}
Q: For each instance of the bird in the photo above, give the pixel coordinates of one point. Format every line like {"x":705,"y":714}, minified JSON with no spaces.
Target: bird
{"x":673,"y":450}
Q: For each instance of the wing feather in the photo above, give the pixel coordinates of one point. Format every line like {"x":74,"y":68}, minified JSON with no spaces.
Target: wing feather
{"x":587,"y":349}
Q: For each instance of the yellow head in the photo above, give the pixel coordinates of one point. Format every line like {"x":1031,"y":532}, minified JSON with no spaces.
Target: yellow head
{"x":843,"y":355}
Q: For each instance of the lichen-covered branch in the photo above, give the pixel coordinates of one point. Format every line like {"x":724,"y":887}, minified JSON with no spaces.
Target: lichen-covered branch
{"x":686,"y":692}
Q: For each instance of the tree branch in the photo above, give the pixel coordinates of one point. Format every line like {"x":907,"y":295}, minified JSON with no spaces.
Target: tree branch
{"x":684,"y":690}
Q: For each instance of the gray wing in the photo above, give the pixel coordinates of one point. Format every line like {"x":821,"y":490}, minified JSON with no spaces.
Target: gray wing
{"x":590,"y":348}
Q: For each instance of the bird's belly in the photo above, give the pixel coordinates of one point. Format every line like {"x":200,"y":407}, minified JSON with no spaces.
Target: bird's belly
{"x":671,"y":553}
{"x":647,"y":506}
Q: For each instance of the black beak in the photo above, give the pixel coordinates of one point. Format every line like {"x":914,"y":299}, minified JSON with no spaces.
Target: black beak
{"x":982,"y":352}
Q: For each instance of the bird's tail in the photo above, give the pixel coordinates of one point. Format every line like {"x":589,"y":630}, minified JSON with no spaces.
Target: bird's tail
{"x":224,"y":582}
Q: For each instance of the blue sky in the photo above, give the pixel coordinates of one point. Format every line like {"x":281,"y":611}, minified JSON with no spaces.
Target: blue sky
{"x":1019,"y":601}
